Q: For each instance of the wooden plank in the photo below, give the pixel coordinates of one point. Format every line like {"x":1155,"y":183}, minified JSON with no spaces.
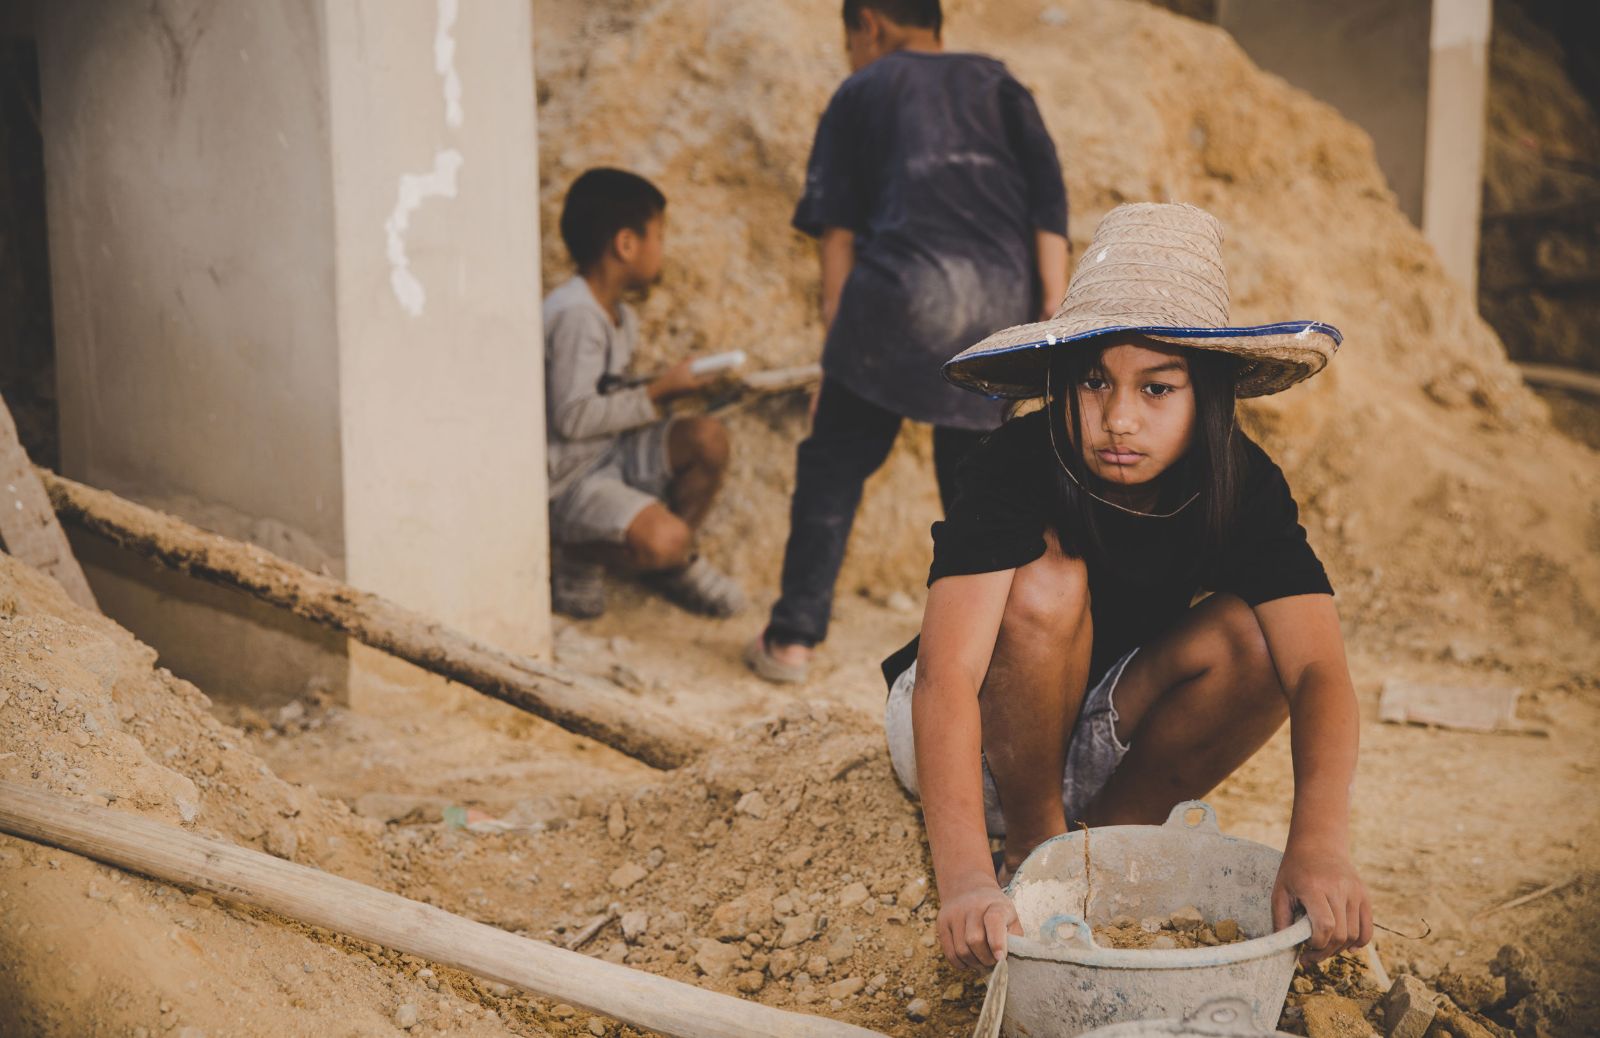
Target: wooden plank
{"x":172,"y":855}
{"x":1556,"y":376}
{"x":577,"y":702}
{"x":28,"y":527}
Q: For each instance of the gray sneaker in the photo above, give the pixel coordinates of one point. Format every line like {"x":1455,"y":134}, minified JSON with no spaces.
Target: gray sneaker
{"x":701,"y":588}
{"x":577,"y":586}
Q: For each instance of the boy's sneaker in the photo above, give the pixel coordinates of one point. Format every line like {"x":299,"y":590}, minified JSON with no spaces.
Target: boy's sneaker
{"x":701,"y":588}
{"x":577,"y":586}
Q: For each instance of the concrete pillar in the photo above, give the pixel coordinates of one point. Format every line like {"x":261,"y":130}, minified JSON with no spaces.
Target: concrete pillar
{"x":1458,"y":94}
{"x":1413,"y":74}
{"x":295,"y":255}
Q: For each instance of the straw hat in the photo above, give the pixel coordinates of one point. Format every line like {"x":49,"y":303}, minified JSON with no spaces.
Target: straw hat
{"x":1153,"y":270}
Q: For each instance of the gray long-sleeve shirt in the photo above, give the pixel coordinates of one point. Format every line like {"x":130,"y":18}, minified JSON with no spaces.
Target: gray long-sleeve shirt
{"x":582,"y":344}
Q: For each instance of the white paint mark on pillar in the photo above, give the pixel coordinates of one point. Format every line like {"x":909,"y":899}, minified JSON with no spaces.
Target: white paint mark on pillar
{"x":414,"y":190}
{"x":444,"y":62}
{"x":440,"y":183}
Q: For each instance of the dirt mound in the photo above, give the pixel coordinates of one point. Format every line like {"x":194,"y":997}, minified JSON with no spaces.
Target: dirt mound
{"x":1431,"y":481}
{"x":86,"y":949}
{"x":1541,"y":198}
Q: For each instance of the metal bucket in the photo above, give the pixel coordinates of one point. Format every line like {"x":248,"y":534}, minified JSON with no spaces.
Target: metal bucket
{"x":1062,"y":984}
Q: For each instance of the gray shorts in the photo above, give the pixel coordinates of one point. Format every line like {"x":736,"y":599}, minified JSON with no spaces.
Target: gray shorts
{"x":1092,"y":755}
{"x":633,"y":473}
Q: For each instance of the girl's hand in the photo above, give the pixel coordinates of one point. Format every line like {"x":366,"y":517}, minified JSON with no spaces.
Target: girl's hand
{"x":973,"y":925}
{"x":1325,"y":884}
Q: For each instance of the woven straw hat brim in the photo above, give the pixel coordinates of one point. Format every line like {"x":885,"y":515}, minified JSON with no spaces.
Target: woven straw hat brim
{"x":1012,"y":363}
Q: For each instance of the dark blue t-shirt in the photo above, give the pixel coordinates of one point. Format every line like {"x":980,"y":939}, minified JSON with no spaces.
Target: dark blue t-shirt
{"x":940,"y":165}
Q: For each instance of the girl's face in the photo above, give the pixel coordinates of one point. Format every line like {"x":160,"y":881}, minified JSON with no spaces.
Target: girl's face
{"x":1138,"y":410}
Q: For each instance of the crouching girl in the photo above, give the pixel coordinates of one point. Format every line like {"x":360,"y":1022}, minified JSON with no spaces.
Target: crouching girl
{"x":1123,"y":606}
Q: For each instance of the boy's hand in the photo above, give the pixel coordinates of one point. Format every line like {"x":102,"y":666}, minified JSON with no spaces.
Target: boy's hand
{"x":677,"y":381}
{"x":1325,"y":884}
{"x":973,"y":925}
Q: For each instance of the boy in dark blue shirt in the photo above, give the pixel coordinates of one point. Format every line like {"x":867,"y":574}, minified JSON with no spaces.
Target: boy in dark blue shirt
{"x":935,"y":193}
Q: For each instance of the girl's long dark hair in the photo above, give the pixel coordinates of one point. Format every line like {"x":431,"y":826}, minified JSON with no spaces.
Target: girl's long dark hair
{"x":1209,"y":471}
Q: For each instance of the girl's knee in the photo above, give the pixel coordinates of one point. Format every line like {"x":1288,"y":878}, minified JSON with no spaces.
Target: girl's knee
{"x":1246,"y":649}
{"x":1049,"y":595}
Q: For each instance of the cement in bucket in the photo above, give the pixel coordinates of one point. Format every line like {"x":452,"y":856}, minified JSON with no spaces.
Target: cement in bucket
{"x":1059,"y":987}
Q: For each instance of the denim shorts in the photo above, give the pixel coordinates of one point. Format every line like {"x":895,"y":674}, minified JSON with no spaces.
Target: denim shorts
{"x":1092,"y":754}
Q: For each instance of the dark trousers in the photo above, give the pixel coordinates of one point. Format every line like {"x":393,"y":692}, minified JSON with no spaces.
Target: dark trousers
{"x":850,"y":439}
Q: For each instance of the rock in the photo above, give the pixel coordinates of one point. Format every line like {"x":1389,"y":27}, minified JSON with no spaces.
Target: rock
{"x":1473,"y":991}
{"x":1408,"y":1008}
{"x":1301,"y":985}
{"x":817,"y":965}
{"x":913,"y":894}
{"x":1187,"y":918}
{"x":1207,"y":937}
{"x":842,"y":946}
{"x":1523,"y":976}
{"x":954,"y":992}
{"x":783,"y":963}
{"x":846,"y":987}
{"x":1152,"y":924}
{"x":597,"y":1028}
{"x":1460,"y":1024}
{"x":798,"y":929}
{"x":751,"y":981}
{"x":853,"y":895}
{"x":616,"y":821}
{"x":877,"y":983}
{"x":800,"y":857}
{"x":616,"y":951}
{"x":918,"y":1010}
{"x":288,"y":714}
{"x":562,"y":1011}
{"x":748,"y":912}
{"x":752,"y":804}
{"x":1334,"y":1016}
{"x":282,"y":841}
{"x":405,"y":1016}
{"x":1542,"y":1014}
{"x":497,"y":989}
{"x":626,"y":875}
{"x":1226,"y":930}
{"x":715,"y":959}
{"x":634,"y":926}
{"x":1166,"y":942}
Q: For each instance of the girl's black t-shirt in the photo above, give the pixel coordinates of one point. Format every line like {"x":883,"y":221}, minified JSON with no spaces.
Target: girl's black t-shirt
{"x":1009,"y":494}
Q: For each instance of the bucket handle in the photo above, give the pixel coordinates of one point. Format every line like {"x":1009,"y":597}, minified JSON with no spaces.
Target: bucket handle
{"x":1051,"y":926}
{"x":1179,"y":818}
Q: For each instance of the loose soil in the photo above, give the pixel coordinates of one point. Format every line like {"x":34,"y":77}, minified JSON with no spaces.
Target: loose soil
{"x":1462,"y":531}
{"x":1168,"y":934}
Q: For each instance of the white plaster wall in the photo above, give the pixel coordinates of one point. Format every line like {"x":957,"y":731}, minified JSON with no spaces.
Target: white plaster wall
{"x":294,"y":253}
{"x":435,"y":186}
{"x":191,"y":218}
{"x":191,"y":242}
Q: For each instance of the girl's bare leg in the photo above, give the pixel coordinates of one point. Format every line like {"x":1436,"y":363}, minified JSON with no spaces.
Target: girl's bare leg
{"x":1194,"y":705}
{"x":1031,"y":695}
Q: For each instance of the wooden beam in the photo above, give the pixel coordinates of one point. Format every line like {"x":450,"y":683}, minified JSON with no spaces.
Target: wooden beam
{"x":1556,"y":376}
{"x":577,"y":702}
{"x":173,"y":855}
{"x":28,"y":527}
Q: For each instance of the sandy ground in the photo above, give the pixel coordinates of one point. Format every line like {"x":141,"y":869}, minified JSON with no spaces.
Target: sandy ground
{"x":1460,"y":527}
